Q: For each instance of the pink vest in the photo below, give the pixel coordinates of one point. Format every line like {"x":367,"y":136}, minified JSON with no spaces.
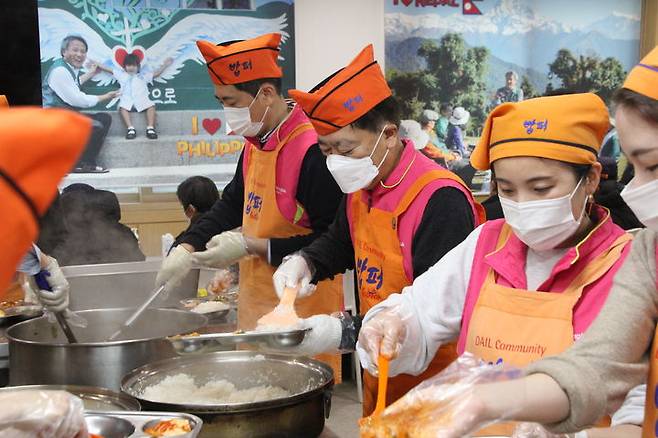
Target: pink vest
{"x":509,"y":265}
{"x":388,"y":199}
{"x":288,"y":165}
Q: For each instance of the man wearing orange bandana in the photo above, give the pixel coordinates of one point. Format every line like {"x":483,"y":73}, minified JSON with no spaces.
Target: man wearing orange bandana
{"x":401,"y":214}
{"x":282,"y":194}
{"x":28,"y":183}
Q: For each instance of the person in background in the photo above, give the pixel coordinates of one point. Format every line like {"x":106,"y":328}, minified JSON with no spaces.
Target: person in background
{"x":611,"y":147}
{"x":609,"y":196}
{"x":441,"y":127}
{"x":24,"y":197}
{"x":282,"y":194}
{"x":435,"y":149}
{"x":492,"y":204}
{"x":455,"y":138}
{"x":428,"y":120}
{"x":197,"y":195}
{"x":568,"y":392}
{"x":412,"y":131}
{"x":528,"y":286}
{"x":510,"y":92}
{"x":62,"y":89}
{"x":402,"y":211}
{"x":95,"y":233}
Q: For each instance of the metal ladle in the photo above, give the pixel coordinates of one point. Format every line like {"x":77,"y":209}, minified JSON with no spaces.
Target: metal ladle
{"x":130,"y":321}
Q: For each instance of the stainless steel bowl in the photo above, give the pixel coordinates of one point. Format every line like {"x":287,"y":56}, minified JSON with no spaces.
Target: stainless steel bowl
{"x":309,"y":382}
{"x":93,"y":398}
{"x":109,"y":426}
{"x":208,"y":343}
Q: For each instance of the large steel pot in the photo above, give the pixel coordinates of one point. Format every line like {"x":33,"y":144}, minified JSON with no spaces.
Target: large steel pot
{"x":302,"y":414}
{"x":40,"y":354}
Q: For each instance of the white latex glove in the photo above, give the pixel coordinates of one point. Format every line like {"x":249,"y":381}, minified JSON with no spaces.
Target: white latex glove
{"x":324,"y":337}
{"x":223,"y":250}
{"x":56,"y":300}
{"x":41,"y":414}
{"x":385,"y":332}
{"x":174,"y":267}
{"x":294,"y":272}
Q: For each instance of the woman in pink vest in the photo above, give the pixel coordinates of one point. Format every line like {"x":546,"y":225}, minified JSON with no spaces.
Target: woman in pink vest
{"x":525,"y":287}
{"x":570,"y":391}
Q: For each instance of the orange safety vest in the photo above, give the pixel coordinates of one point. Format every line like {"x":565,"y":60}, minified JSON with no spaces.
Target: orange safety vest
{"x":262,"y":219}
{"x":521,"y":326}
{"x":650,"y":426}
{"x":380,"y":273}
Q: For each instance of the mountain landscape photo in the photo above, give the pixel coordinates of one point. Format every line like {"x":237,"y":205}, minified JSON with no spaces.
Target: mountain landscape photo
{"x":517,"y":35}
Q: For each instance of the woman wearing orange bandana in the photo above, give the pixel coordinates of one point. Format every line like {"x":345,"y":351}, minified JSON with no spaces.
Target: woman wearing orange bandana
{"x":527,"y":286}
{"x":402,"y":211}
{"x":570,"y":391}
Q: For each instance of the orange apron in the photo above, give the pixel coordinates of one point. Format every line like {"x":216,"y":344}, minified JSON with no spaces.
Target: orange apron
{"x":650,"y":426}
{"x":518,"y":327}
{"x":262,"y":219}
{"x":380,"y":273}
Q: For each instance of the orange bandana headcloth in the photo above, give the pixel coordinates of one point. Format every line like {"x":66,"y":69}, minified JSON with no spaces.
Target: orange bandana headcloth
{"x":643,"y":78}
{"x":50,"y":141}
{"x":346,"y":95}
{"x":242,"y":61}
{"x":4,"y":103}
{"x":566,"y":128}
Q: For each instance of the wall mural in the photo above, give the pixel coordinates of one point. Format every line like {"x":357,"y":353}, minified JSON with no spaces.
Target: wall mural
{"x":161,"y":34}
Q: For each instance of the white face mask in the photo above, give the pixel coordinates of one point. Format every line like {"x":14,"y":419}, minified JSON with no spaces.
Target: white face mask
{"x":239,"y":120}
{"x":353,"y":174}
{"x":544,"y":224}
{"x":643,"y":200}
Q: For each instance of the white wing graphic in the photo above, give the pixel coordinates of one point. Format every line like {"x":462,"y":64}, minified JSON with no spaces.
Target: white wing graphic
{"x":55,"y":24}
{"x":179,"y":42}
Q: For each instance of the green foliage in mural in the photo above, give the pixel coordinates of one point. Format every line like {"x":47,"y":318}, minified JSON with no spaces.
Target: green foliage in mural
{"x":529,"y":90}
{"x":584,"y":74}
{"x":453,"y":73}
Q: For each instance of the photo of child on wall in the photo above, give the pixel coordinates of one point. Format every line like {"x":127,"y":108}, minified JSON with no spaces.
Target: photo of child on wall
{"x":134,"y":91}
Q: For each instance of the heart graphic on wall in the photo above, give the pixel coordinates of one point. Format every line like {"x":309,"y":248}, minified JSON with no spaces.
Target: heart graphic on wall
{"x":120,"y":54}
{"x":211,"y":125}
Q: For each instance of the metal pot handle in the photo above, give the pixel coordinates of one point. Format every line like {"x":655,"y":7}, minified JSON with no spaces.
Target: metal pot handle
{"x":327,"y":403}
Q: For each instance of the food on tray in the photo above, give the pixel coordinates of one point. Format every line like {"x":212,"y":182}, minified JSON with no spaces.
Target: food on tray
{"x":2,"y":313}
{"x":221,"y":282}
{"x":407,"y":419}
{"x":94,"y":435}
{"x":209,"y":307}
{"x":4,"y":305}
{"x":283,"y":315}
{"x":173,"y":427}
{"x":179,"y":337}
{"x":181,"y":389}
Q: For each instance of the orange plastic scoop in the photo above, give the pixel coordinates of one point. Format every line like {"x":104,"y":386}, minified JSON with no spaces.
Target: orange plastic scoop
{"x":368,"y":423}
{"x":284,"y":314}
{"x":382,"y":385}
